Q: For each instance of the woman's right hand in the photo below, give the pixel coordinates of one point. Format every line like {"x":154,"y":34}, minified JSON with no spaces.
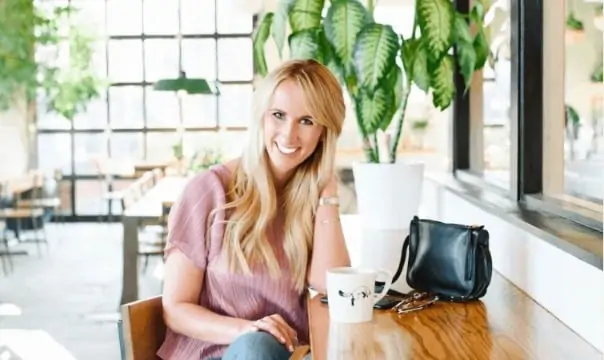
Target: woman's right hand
{"x":276,"y":326}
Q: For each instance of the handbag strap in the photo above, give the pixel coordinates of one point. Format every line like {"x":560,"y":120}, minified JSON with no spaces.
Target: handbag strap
{"x":401,"y":263}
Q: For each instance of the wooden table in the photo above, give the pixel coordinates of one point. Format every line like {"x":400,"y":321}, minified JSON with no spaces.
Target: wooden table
{"x":147,"y":209}
{"x":505,"y":324}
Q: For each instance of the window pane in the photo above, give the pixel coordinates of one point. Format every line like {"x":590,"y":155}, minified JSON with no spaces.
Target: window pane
{"x":99,"y":59}
{"x":161,"y":59}
{"x":66,"y":200}
{"x":54,"y":152}
{"x":159,"y":146}
{"x":235,"y":59}
{"x":496,"y":95}
{"x":47,"y":119}
{"x":162,"y":109}
{"x":125,"y":60}
{"x":128,"y":148}
{"x":124,"y":17}
{"x":199,"y":110}
{"x":197,"y":17}
{"x":89,"y":199}
{"x":89,"y":148}
{"x":161,"y":17}
{"x":232,"y":21}
{"x":91,"y":15}
{"x":199,"y":58}
{"x":126,"y":105}
{"x":583,"y":137}
{"x":119,"y":185}
{"x":228,"y":143}
{"x":239,"y":115}
{"x":95,"y":116}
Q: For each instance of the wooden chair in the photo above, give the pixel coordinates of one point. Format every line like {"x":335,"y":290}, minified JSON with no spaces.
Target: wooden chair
{"x":142,"y":329}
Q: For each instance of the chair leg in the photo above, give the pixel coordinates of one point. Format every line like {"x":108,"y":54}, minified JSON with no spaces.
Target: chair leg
{"x":146,"y":263}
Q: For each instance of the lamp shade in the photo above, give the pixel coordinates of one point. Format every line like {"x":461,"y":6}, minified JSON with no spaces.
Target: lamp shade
{"x":182,"y":83}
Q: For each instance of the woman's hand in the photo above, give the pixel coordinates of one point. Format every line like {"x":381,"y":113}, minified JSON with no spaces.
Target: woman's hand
{"x":276,"y":326}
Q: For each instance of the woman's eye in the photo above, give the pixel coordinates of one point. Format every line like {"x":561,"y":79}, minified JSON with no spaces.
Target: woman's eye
{"x":278,"y":115}
{"x":307,"y":122}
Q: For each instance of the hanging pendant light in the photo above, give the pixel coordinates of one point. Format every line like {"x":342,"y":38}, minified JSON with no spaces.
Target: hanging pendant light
{"x":184,"y":84}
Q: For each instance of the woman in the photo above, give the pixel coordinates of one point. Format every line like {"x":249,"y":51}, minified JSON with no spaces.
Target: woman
{"x":249,"y":236}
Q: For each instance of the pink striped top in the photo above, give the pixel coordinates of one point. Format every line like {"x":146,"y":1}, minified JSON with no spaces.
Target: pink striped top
{"x":225,"y":293}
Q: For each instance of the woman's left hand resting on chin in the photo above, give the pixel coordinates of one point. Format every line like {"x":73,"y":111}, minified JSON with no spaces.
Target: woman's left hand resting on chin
{"x":329,"y":247}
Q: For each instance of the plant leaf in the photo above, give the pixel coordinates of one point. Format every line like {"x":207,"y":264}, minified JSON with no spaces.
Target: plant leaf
{"x":408,"y":52}
{"x":329,"y":57}
{"x":481,"y":48}
{"x":259,"y":40}
{"x":343,"y":22}
{"x":304,"y":44}
{"x":466,"y":56}
{"x":462,"y":30}
{"x":436,"y":20}
{"x":477,"y":12}
{"x":375,"y":53}
{"x":421,"y":75}
{"x":305,"y":14}
{"x":372,"y":107}
{"x":280,"y":23}
{"x":393,"y":84}
{"x":442,"y":83}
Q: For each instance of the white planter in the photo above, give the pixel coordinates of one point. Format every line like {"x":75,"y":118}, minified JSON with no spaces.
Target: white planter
{"x":388,"y":195}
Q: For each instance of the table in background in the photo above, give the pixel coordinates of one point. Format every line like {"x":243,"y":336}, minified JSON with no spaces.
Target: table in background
{"x":147,"y":209}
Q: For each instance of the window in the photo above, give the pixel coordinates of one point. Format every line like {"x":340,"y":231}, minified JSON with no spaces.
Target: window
{"x":583,"y":135}
{"x":138,"y":43}
{"x":533,"y":127}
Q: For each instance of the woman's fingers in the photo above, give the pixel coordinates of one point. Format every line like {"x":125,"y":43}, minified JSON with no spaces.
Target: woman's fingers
{"x":279,"y":319}
{"x":276,"y":328}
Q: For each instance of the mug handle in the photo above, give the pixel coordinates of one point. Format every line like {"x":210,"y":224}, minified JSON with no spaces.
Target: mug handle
{"x":379,"y":296}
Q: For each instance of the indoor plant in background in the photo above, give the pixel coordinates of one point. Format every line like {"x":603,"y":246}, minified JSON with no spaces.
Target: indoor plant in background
{"x":378,"y":67}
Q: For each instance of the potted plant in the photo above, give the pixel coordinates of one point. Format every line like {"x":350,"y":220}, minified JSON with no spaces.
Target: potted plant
{"x":377,"y":67}
{"x":575,"y":30}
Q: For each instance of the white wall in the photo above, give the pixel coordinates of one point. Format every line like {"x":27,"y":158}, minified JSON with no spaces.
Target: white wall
{"x":13,"y":142}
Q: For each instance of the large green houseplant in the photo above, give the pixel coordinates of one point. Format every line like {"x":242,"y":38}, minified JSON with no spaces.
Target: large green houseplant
{"x":376,"y":65}
{"x":26,"y":28}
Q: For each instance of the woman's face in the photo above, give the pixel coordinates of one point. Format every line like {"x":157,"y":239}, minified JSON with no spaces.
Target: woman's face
{"x":291,"y":134}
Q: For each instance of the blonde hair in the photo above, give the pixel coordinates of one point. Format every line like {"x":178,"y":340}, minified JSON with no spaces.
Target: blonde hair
{"x":252,"y":199}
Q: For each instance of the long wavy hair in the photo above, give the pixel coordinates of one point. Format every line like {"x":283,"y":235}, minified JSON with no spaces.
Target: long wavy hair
{"x":252,"y":197}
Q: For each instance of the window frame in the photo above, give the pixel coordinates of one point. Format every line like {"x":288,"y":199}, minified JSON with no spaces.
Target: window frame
{"x":526,"y":121}
{"x":73,"y":178}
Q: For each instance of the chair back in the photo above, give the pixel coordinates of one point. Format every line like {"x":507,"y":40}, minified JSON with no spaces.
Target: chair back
{"x":142,"y":329}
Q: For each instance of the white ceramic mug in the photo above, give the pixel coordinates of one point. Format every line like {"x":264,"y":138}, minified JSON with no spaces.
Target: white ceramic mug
{"x":350,"y":293}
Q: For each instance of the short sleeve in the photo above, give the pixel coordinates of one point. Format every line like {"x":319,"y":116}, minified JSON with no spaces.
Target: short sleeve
{"x":188,"y":219}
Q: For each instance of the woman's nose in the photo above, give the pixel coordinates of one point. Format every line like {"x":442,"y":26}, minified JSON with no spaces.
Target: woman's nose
{"x":289,"y":130}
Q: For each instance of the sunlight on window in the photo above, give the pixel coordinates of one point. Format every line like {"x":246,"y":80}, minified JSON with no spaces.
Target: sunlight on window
{"x":7,"y":309}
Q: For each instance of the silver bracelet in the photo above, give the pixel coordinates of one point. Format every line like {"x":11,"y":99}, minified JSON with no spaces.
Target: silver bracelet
{"x":329,"y":200}
{"x":330,"y":221}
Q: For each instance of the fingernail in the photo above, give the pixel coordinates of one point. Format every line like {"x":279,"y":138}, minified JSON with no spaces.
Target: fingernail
{"x":291,"y":348}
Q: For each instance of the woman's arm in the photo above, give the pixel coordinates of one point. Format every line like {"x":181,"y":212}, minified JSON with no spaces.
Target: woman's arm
{"x":329,"y":247}
{"x":183,"y":282}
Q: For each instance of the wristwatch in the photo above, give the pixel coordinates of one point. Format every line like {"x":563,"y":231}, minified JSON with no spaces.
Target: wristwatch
{"x":329,"y":200}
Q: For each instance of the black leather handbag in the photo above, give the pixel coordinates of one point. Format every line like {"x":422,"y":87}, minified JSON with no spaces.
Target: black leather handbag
{"x":451,"y":261}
